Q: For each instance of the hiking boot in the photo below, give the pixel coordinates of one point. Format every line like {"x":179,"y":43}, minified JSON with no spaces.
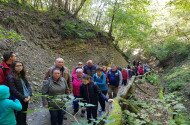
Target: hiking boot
{"x":82,"y":115}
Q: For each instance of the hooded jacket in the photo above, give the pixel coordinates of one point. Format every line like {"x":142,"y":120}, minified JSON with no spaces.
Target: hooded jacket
{"x":7,"y":116}
{"x":76,"y":82}
{"x":3,"y":72}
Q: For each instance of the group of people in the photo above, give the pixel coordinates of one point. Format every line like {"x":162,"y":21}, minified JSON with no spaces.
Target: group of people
{"x":15,"y":91}
{"x":89,"y":84}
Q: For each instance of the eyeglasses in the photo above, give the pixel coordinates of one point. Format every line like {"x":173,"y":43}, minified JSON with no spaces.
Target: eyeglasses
{"x":18,"y":65}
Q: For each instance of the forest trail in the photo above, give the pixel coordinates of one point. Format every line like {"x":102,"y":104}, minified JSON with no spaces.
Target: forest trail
{"x":41,"y":116}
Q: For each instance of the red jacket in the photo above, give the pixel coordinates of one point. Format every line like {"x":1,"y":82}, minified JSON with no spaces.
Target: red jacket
{"x":3,"y":73}
{"x":124,"y":74}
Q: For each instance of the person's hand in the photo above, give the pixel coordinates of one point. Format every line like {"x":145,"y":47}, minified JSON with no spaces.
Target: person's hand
{"x":29,"y":98}
{"x":26,"y":100}
{"x":110,"y":100}
{"x":45,"y":106}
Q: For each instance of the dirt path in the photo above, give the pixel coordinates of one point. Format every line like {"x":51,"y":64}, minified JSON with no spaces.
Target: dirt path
{"x":41,"y":116}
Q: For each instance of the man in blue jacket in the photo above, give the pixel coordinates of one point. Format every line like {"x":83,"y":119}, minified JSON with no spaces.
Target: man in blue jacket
{"x":90,"y":68}
{"x":114,"y":77}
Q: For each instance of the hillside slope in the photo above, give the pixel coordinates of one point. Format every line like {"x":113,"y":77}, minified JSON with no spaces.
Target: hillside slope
{"x":48,"y":35}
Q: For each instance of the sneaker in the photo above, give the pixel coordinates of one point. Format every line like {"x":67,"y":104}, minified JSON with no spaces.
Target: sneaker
{"x":64,"y":117}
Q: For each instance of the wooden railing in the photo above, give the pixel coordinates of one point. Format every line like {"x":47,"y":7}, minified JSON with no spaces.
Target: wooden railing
{"x":115,"y":112}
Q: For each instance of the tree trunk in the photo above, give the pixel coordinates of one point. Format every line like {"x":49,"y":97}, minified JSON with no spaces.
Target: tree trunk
{"x":79,"y":8}
{"x":66,"y":6}
{"x":112,"y":19}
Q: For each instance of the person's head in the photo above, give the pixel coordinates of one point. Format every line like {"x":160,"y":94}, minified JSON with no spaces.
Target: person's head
{"x":79,"y":72}
{"x":99,"y":71}
{"x":90,"y":63}
{"x":79,"y":64}
{"x":18,"y":69}
{"x":86,"y":79}
{"x":4,"y":92}
{"x":9,"y":57}
{"x":59,"y":62}
{"x":104,"y":68}
{"x":56,"y":73}
{"x":113,"y":67}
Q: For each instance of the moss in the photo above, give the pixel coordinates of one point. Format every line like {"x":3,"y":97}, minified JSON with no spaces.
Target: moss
{"x":116,"y":114}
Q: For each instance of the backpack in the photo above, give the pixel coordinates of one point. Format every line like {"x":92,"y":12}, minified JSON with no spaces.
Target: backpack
{"x":113,"y":78}
{"x":4,"y":70}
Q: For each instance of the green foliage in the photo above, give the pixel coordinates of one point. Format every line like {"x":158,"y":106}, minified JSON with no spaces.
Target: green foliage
{"x":154,"y":79}
{"x":77,"y":30}
{"x":170,"y":47}
{"x":178,"y":77}
{"x":9,"y":35}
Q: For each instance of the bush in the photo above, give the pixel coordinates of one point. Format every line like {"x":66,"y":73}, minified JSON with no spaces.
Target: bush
{"x":10,"y":35}
{"x":154,"y":79}
{"x":171,"y":47}
{"x":178,"y":77}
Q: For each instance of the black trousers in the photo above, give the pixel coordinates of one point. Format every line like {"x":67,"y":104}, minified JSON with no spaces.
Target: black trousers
{"x":21,"y":115}
{"x":92,"y":112}
{"x":102,"y":101}
{"x":124,"y":82}
{"x":56,"y":117}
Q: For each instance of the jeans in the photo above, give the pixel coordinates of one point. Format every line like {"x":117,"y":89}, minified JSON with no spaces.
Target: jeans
{"x":76,"y":104}
{"x":56,"y":117}
{"x":102,"y":101}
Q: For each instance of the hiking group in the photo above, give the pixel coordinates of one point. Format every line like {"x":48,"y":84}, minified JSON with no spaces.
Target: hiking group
{"x":89,"y":84}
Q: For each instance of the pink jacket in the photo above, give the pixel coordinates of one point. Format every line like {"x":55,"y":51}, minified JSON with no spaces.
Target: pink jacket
{"x":140,"y":70}
{"x":76,"y":82}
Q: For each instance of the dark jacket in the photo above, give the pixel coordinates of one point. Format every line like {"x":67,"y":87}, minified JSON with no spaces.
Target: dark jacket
{"x":16,"y":87}
{"x":4,"y":71}
{"x":90,"y":70}
{"x":90,"y":93}
{"x":114,"y":78}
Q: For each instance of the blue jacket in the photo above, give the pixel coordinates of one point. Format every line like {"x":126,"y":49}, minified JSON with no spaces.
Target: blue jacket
{"x":90,"y":70}
{"x":7,"y":116}
{"x":100,"y":81}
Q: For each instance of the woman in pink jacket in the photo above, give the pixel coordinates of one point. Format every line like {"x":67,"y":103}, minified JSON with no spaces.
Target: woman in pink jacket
{"x":76,"y":82}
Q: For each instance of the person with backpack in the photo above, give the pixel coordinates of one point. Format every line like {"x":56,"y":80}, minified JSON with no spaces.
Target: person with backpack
{"x":90,"y":93}
{"x":90,"y":68}
{"x":59,"y":63}
{"x":114,"y":81}
{"x":76,"y":83}
{"x":125,"y":76}
{"x":20,"y":89}
{"x":99,"y":79}
{"x":7,"y":115}
{"x":140,"y":69}
{"x":8,"y":58}
{"x":55,"y":87}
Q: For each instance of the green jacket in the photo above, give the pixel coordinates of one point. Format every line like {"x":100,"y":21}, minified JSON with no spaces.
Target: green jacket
{"x":7,"y":116}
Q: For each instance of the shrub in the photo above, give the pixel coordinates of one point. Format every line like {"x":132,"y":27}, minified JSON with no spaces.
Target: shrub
{"x":154,"y":79}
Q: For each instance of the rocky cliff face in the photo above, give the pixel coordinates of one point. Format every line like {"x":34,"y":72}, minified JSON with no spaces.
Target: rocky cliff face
{"x":46,"y":39}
